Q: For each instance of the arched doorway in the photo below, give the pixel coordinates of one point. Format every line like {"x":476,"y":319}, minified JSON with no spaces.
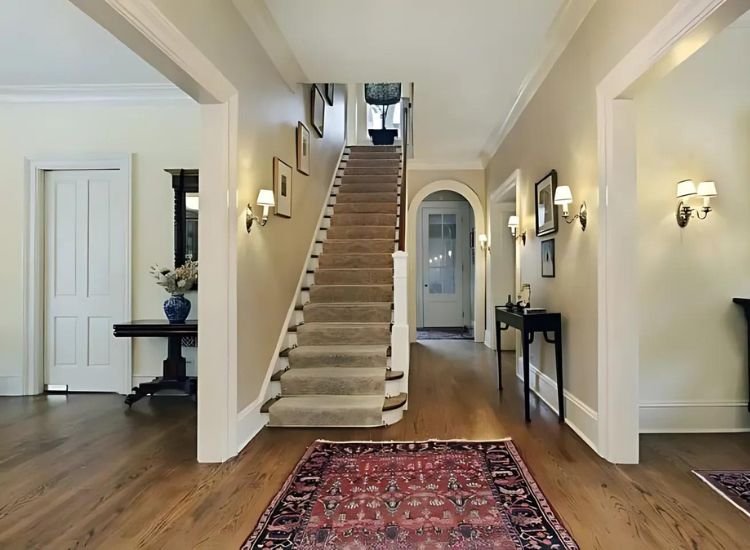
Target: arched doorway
{"x":479,"y":252}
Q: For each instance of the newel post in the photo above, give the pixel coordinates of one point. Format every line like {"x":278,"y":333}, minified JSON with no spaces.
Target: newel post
{"x":400,"y":332}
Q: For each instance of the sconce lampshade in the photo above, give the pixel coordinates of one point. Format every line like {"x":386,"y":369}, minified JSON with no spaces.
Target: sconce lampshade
{"x":563,"y":195}
{"x":707,"y":189}
{"x":686,"y":188}
{"x":483,"y":239}
{"x":513,"y":221}
{"x":265,"y":198}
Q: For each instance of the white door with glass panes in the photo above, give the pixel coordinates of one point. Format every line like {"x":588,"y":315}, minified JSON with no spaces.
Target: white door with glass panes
{"x":442,"y":264}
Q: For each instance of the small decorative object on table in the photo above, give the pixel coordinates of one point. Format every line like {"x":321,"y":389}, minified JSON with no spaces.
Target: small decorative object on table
{"x":177,"y":282}
{"x":524,"y":297}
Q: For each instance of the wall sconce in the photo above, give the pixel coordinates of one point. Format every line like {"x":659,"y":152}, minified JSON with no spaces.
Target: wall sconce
{"x":685,"y":191}
{"x":513,"y":224}
{"x":563,"y":197}
{"x":483,"y":242}
{"x":266,"y":200}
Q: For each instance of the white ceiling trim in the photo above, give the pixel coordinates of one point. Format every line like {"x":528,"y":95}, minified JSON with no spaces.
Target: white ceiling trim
{"x":81,"y":93}
{"x":427,"y":165}
{"x":566,"y":23}
{"x":258,"y":17}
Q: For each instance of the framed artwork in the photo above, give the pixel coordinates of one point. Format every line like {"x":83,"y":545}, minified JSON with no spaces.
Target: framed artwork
{"x":544,"y":201}
{"x":318,"y":110}
{"x":548,"y":258}
{"x":282,"y":187}
{"x":329,"y":89}
{"x":303,"y":149}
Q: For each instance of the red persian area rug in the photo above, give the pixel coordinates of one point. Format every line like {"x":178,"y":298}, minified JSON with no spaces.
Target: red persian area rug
{"x":428,"y":495}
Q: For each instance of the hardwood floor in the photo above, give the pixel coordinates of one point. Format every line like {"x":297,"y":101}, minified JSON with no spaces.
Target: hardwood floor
{"x":84,"y":472}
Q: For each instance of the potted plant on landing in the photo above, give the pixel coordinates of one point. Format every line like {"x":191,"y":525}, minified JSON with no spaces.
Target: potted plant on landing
{"x":383,"y":94}
{"x":177,"y":282}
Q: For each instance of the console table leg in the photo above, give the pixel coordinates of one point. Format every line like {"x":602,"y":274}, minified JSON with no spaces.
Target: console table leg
{"x":499,"y":358}
{"x":526,"y":388}
{"x":560,"y":384}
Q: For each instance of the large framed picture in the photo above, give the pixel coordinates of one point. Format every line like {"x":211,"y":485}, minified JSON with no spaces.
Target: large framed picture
{"x":303,"y":149}
{"x":282,"y":187}
{"x":330,"y":93}
{"x":544,"y":201}
{"x":317,"y":110}
{"x":548,"y":258}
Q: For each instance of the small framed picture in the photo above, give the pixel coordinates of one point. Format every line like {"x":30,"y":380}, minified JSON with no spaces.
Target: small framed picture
{"x":282,"y":187}
{"x":548,"y":258}
{"x":544,"y":199}
{"x":303,"y":149}
{"x":330,"y":90}
{"x":318,"y":110}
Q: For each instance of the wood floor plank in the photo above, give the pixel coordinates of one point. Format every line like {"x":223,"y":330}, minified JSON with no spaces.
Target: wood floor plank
{"x":83,"y":472}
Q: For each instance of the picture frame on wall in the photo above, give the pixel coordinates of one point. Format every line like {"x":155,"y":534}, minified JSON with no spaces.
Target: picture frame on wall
{"x":317,"y":110}
{"x":282,"y":187}
{"x":329,"y":92}
{"x":303,"y":149}
{"x":544,"y":203}
{"x":548,"y":258}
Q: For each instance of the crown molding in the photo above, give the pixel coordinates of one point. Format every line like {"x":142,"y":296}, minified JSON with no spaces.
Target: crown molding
{"x":262,"y":24}
{"x":566,"y":23}
{"x":415,"y":164}
{"x":91,"y":93}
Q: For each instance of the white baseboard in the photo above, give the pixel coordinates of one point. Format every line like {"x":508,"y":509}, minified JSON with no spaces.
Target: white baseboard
{"x":11,"y":385}
{"x":694,"y":417}
{"x":581,"y":418}
{"x":249,"y":422}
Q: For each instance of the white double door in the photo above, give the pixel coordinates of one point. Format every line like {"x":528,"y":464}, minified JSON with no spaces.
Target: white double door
{"x":445,"y":237}
{"x":86,"y":284}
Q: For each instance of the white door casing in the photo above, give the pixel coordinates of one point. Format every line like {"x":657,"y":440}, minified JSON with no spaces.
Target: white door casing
{"x":442,"y":265}
{"x":86,"y":242}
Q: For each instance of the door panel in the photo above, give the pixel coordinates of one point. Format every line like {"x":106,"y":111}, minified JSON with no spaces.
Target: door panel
{"x":85,"y":278}
{"x":442,"y":253}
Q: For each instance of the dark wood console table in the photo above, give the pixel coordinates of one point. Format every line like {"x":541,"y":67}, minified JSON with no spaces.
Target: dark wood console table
{"x":530,"y":323}
{"x":744,"y":303}
{"x":173,"y":377}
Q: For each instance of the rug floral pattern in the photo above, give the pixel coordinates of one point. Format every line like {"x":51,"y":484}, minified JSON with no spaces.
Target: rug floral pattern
{"x":432,"y":495}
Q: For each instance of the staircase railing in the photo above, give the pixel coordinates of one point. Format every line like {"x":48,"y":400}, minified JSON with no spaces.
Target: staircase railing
{"x":400,"y":332}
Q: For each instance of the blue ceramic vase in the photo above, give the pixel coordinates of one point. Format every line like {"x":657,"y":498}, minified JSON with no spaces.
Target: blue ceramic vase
{"x":177,"y":308}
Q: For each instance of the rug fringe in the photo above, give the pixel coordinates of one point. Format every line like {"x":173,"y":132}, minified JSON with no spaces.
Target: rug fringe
{"x":420,"y":441}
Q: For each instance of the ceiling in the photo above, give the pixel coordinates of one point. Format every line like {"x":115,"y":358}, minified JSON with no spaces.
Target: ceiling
{"x":53,"y":43}
{"x":468,"y":59}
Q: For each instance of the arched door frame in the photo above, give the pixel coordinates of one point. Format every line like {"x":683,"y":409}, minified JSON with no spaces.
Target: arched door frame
{"x":479,"y":254}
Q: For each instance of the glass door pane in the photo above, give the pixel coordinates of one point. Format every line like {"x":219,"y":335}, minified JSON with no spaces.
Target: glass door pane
{"x":441,"y":250}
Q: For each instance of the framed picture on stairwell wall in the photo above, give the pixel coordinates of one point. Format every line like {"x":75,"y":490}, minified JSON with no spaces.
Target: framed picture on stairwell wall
{"x":303,"y":149}
{"x":317,"y":110}
{"x":282,"y":187}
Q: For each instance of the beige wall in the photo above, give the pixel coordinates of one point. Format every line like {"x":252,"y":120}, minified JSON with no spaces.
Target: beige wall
{"x":558,"y":130}
{"x":695,"y":124}
{"x":417,"y":179}
{"x":270,"y":260}
{"x":159,"y":136}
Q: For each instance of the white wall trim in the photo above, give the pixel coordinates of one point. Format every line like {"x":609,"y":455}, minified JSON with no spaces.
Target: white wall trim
{"x":418,"y":164}
{"x":93,"y":93}
{"x":684,"y":30}
{"x":479,"y":256}
{"x":567,"y":21}
{"x":260,"y":20}
{"x":694,"y":417}
{"x":32,"y":379}
{"x":581,"y":418}
{"x":250,"y":420}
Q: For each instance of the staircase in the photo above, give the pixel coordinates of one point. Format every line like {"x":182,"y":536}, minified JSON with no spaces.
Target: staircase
{"x":336,"y":371}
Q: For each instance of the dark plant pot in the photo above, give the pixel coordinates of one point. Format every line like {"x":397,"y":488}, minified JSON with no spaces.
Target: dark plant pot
{"x":177,"y":308}
{"x":383,"y":137}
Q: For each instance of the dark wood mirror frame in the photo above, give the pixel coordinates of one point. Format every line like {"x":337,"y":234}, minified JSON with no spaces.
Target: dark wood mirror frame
{"x":184,"y":181}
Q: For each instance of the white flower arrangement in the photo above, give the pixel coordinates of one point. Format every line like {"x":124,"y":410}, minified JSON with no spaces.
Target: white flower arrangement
{"x":176,"y":281}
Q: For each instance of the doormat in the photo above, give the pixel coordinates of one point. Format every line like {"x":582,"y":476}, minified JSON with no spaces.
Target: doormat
{"x":460,"y":333}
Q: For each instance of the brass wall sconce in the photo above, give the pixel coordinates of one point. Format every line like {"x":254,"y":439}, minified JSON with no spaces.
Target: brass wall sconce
{"x":563,"y":197}
{"x":513,"y":225}
{"x":685,"y":191}
{"x":483,"y":242}
{"x":266,"y":200}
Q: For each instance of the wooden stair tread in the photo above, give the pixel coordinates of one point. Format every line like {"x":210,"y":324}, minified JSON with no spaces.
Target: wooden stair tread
{"x":395,"y":402}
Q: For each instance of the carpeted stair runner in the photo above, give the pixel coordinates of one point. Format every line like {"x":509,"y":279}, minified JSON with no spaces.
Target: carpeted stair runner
{"x":338,"y":372}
